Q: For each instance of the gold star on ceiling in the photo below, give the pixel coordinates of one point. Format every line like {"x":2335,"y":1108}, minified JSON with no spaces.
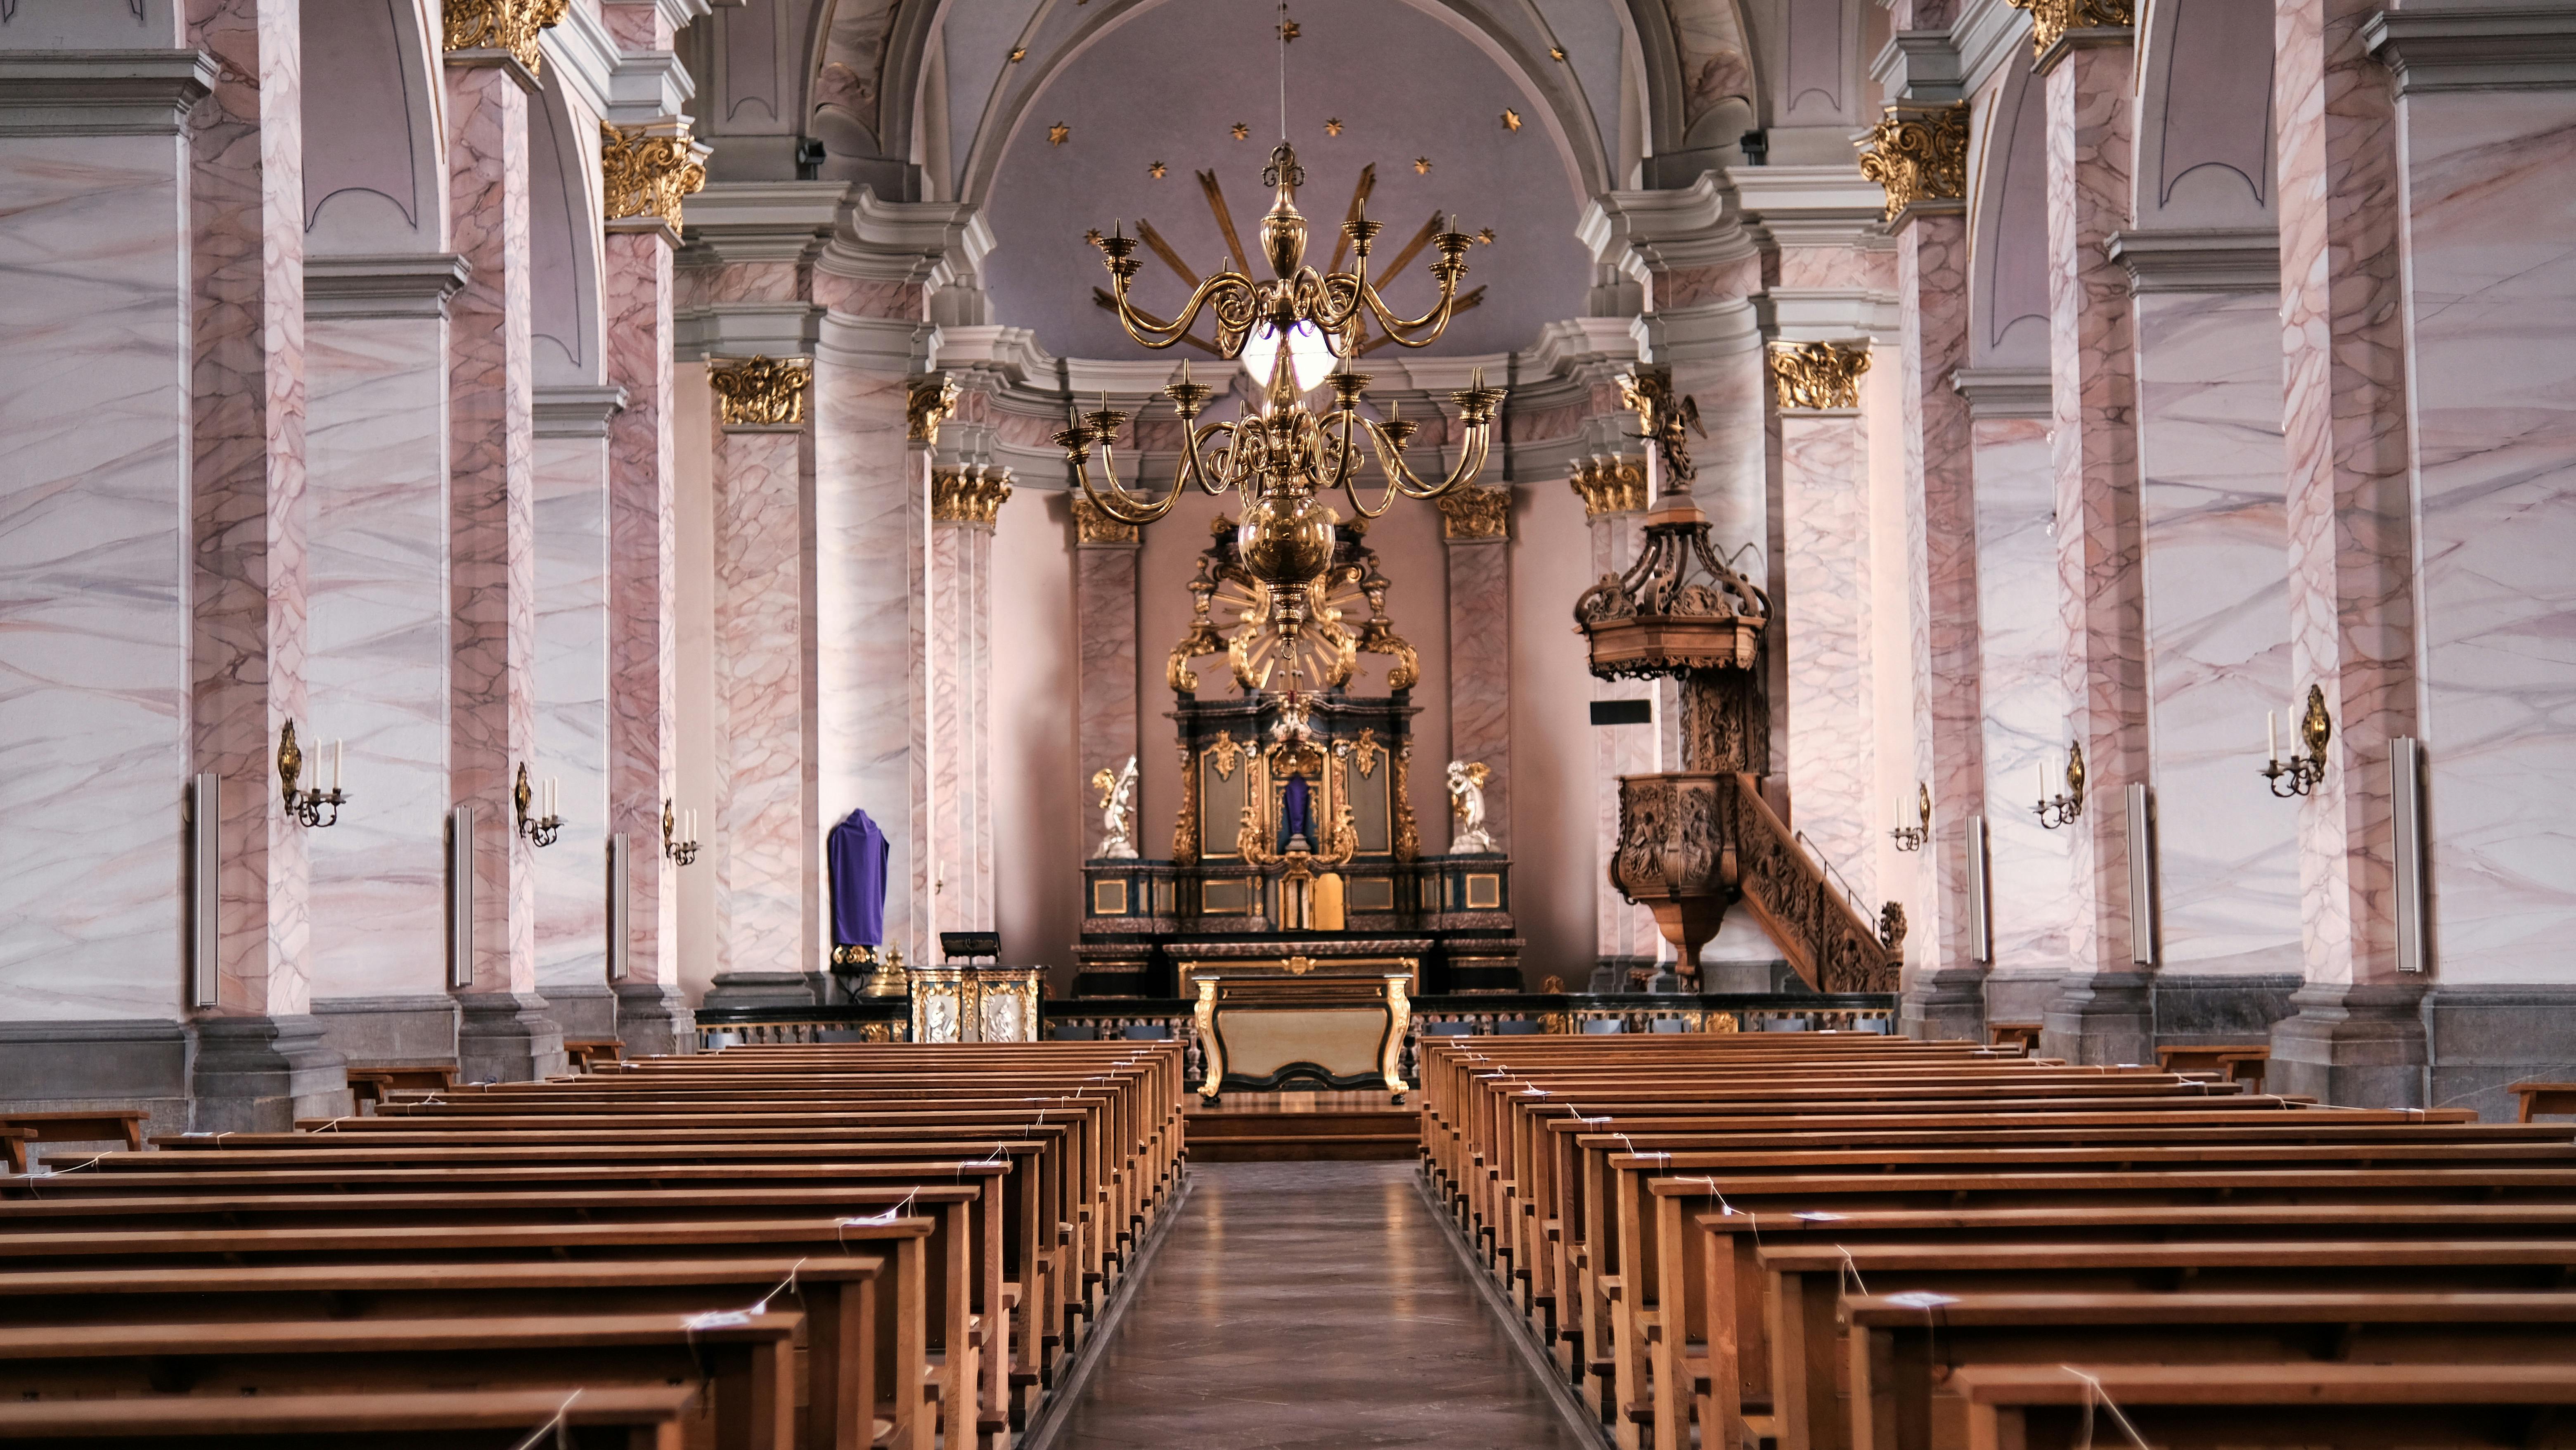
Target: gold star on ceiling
{"x":1486,"y":236}
{"x":1511,"y":119}
{"x":1092,"y":236}
{"x":1422,"y":166}
{"x":1241,"y":130}
{"x":1058,"y":133}
{"x":1332,"y":125}
{"x":1155,"y":171}
{"x":1019,"y":53}
{"x":1287,"y":31}
{"x":1556,"y":52}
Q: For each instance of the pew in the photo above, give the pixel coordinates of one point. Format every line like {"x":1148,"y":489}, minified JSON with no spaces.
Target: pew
{"x":623,"y":1418}
{"x":2249,"y":1406}
{"x":104,"y":1125}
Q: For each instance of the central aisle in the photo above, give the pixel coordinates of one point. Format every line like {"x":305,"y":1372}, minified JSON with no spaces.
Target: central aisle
{"x":1310,"y":1305}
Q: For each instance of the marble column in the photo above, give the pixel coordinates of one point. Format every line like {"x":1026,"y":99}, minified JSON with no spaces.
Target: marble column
{"x":1107,"y":723}
{"x":1822,"y":624}
{"x":964,"y":501}
{"x":1613,"y":490}
{"x":2102,"y":1012}
{"x":571,"y":470}
{"x":95,"y":696}
{"x":1475,"y":526}
{"x":260,"y":1058}
{"x":503,"y":1032}
{"x":767,"y":842}
{"x":376,"y":501}
{"x":2357,"y":1037}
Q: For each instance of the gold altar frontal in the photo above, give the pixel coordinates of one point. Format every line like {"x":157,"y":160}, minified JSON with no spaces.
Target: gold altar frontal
{"x":1332,"y":1022}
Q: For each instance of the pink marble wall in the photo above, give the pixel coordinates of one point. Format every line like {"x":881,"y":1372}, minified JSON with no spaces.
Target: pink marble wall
{"x":1823,"y":626}
{"x":1107,"y":725}
{"x":246,"y":206}
{"x":642,"y":620}
{"x":762,"y":663}
{"x":376,"y":506}
{"x":1480,"y":672}
{"x":1559,"y":874}
{"x":1040,"y":657}
{"x":2345,"y":447}
{"x":1620,"y":929}
{"x":96,"y":505}
{"x":491,"y":521}
{"x":571,"y":479}
{"x":2094,"y":387}
{"x":960,"y":698}
{"x":2491,"y":303}
{"x":2022,"y":682}
{"x":1941,"y":538}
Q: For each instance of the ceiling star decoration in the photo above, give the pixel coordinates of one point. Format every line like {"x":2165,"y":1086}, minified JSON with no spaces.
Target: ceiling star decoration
{"x":1332,"y":125}
{"x":1059,"y":133}
{"x":1155,"y":171}
{"x":1486,"y":236}
{"x":1556,"y":52}
{"x":1287,"y":31}
{"x":1092,"y":236}
{"x":1241,"y":131}
{"x":1296,"y":332}
{"x":1511,"y":119}
{"x":1422,"y":166}
{"x":1019,"y":53}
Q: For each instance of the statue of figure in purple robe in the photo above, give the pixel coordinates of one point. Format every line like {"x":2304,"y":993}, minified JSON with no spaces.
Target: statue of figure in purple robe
{"x":1296,"y":815}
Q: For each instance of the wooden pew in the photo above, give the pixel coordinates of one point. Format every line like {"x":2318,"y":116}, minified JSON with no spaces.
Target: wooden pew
{"x":2248,"y":1406}
{"x":744,"y":1361}
{"x":1902,"y":1349}
{"x":621,"y":1418}
{"x":104,"y":1125}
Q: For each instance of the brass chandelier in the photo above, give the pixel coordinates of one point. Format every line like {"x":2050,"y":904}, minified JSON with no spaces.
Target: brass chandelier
{"x":1297,"y":331}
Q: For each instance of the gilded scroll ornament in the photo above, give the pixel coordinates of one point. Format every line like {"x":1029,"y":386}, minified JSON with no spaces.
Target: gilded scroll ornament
{"x":1918,"y":154}
{"x":973,"y":495}
{"x":1475,"y":512}
{"x":762,"y":391}
{"x":510,"y":25}
{"x":1225,"y":753}
{"x":1408,"y":836}
{"x":1609,"y":484}
{"x":1093,"y":526}
{"x":1366,"y":753}
{"x":927,"y":403}
{"x":1185,"y":830}
{"x":645,"y":171}
{"x":1818,"y":374}
{"x":2051,"y":19}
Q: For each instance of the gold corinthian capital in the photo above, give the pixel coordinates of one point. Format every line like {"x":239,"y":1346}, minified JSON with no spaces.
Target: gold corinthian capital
{"x":972,"y":495}
{"x":1918,"y":154}
{"x":2051,"y":19}
{"x":510,"y":25}
{"x":1609,"y":484}
{"x":645,"y":170}
{"x":762,"y":391}
{"x":1474,"y":511}
{"x":1818,"y":374}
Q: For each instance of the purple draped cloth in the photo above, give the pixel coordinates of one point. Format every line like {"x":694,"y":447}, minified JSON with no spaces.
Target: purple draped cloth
{"x":856,"y":856}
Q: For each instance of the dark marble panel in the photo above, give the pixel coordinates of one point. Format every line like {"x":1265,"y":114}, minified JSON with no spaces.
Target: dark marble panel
{"x":1310,"y":1306}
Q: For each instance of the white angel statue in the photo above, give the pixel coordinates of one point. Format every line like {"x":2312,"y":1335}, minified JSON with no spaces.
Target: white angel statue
{"x":1467,"y":809}
{"x":1117,"y":812}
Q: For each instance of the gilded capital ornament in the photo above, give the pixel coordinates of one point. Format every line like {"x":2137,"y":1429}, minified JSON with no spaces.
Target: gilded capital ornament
{"x":1818,"y":374}
{"x":1918,"y":154}
{"x":1609,"y":484}
{"x":646,"y":170}
{"x":762,"y":391}
{"x":2051,"y":19}
{"x":1475,"y":512}
{"x":971,"y":495}
{"x":510,"y":25}
{"x":927,"y":403}
{"x":1094,"y":525}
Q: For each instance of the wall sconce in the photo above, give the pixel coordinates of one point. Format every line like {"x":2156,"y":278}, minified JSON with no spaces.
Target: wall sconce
{"x":1911,"y":838}
{"x":2301,"y":772}
{"x":678,"y":844}
{"x":543,"y":828}
{"x":307,"y":805}
{"x":2056,"y":811}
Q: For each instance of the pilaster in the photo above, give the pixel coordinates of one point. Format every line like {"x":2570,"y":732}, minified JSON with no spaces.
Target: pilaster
{"x":1613,"y":490}
{"x":1108,"y":728}
{"x":1475,"y":527}
{"x":964,"y":502}
{"x":1822,"y":622}
{"x":573,"y":509}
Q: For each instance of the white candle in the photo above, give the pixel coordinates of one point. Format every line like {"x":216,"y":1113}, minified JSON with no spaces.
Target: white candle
{"x":2271,"y":740}
{"x":550,"y":795}
{"x":693,"y":828}
{"x":335,"y":767}
{"x":2039,"y":778}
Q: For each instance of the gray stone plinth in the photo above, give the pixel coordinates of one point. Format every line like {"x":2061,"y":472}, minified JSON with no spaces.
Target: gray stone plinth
{"x":70,"y":1066}
{"x":588,"y":1011}
{"x":2357,"y":1046}
{"x":768,"y":989}
{"x":2101,"y":1018}
{"x":390,"y":1031}
{"x":654,"y":1020}
{"x":260,"y":1074}
{"x":2480,"y":1040}
{"x":505,"y":1037}
{"x":2217,"y":1008}
{"x":1948,"y":1005}
{"x":2020,"y":995}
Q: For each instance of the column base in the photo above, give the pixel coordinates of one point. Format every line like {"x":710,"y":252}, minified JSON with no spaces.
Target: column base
{"x":260,"y":1074}
{"x":505,"y":1037}
{"x":2482,"y":1040}
{"x":587,"y":1011}
{"x":390,"y":1031}
{"x":1947,"y":1005}
{"x":67,"y":1066}
{"x":2101,"y":1019}
{"x":2354,"y":1046}
{"x":2021,"y":996}
{"x":768,"y":989}
{"x":2216,"y":1008}
{"x":654,"y":1020}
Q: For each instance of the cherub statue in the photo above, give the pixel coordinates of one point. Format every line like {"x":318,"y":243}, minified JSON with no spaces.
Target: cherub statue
{"x":1117,"y":811}
{"x":1467,"y":809}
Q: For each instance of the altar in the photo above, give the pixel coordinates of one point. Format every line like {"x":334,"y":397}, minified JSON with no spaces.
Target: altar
{"x":1337,"y":1019}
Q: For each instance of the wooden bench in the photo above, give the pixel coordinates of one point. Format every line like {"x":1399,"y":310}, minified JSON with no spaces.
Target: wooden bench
{"x":2538,"y":1098}
{"x":369,"y":1086}
{"x":2249,"y":1406}
{"x":104,"y":1125}
{"x":620,"y":1418}
{"x":2244,"y":1061}
{"x":2024,"y":1035}
{"x":586,"y":1054}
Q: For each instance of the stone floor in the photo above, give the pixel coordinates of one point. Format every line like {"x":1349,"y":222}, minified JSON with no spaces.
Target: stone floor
{"x":1310,"y":1306}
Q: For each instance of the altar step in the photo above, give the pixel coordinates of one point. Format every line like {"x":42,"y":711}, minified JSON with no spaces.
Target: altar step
{"x":1271,"y":1133}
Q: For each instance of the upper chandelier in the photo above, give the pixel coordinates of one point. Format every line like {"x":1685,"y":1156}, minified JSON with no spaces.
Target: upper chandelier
{"x":1292,"y":331}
